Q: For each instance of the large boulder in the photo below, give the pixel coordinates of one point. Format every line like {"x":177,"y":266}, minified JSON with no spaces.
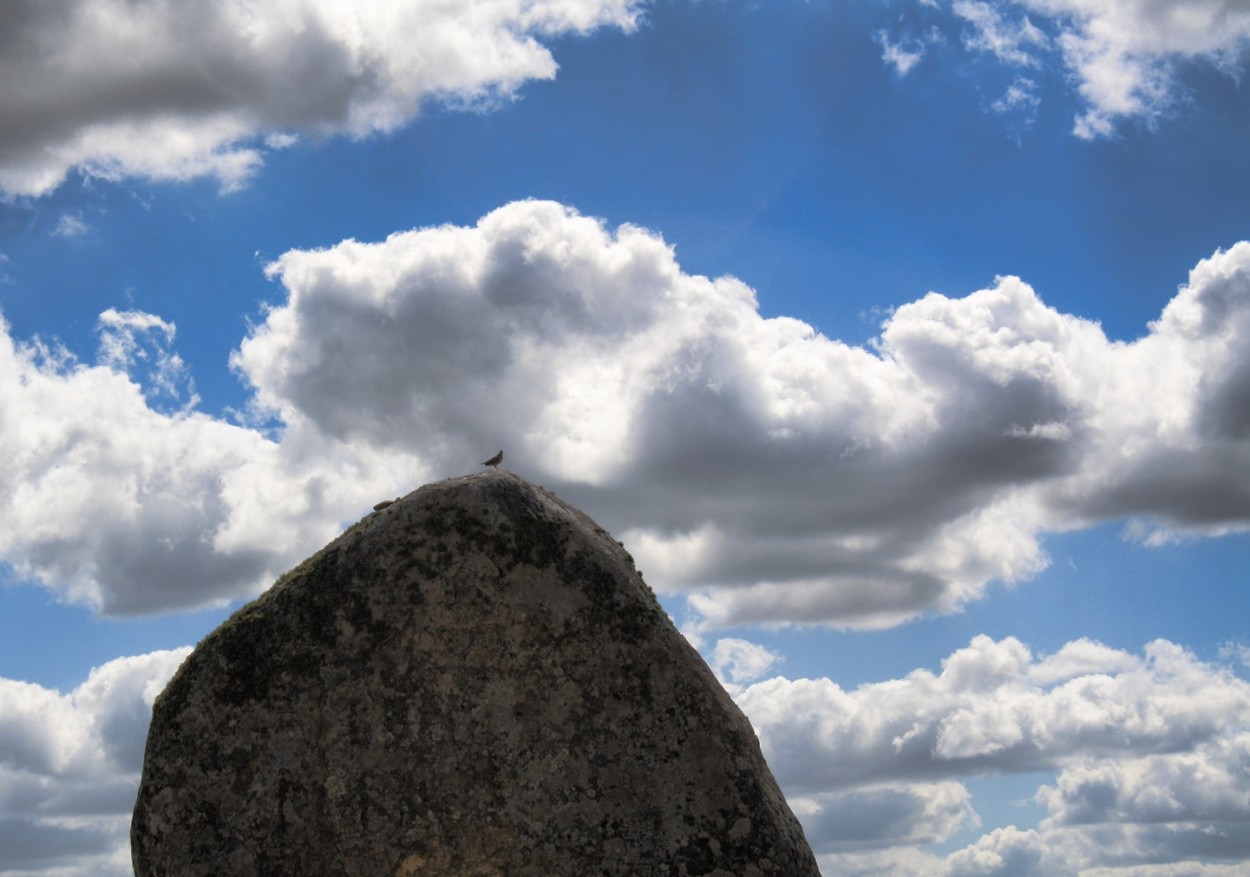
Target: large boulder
{"x":473,"y":680}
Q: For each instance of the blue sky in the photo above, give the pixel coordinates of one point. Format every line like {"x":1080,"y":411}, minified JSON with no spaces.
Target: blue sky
{"x":903,"y":344}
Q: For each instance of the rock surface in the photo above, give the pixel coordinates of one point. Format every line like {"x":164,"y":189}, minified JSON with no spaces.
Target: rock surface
{"x":472,"y":681}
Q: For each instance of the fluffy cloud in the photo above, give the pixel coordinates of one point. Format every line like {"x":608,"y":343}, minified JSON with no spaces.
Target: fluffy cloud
{"x":111,"y":502}
{"x":69,"y":767}
{"x":1195,"y":802}
{"x":1151,"y":754}
{"x":881,"y":817}
{"x":994,"y":707}
{"x":1014,"y":852}
{"x":174,"y":91}
{"x":771,"y":473}
{"x":1004,"y":852}
{"x":736,"y":661}
{"x":766,"y":472}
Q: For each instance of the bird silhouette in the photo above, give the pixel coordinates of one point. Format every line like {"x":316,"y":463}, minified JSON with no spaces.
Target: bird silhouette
{"x":495,"y":460}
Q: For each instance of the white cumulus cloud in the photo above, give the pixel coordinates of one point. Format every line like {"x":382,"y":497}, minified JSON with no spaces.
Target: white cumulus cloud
{"x":1150,"y":754}
{"x":199,"y":87}
{"x":884,"y":817}
{"x":735,"y":661}
{"x":69,"y":767}
{"x":993,"y":707}
{"x":771,"y":472}
{"x":111,"y":502}
{"x":764,"y":471}
{"x":1196,"y":799}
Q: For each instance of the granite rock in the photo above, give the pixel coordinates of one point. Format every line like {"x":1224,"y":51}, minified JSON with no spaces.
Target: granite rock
{"x":475,"y":681}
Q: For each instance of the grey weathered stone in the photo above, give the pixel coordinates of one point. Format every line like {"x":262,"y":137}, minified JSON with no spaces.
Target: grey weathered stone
{"x":472,"y":681}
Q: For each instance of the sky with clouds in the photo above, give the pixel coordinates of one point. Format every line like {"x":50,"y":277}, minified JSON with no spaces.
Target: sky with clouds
{"x":905,"y":345}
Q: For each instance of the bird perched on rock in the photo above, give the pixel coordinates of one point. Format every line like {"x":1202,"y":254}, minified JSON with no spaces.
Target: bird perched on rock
{"x":495,"y":460}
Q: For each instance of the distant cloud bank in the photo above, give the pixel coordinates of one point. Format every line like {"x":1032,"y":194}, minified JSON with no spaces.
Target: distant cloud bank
{"x":765,"y":471}
{"x":1150,"y":753}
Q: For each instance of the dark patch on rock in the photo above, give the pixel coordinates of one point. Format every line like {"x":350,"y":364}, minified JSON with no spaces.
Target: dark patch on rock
{"x":473,"y":680}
